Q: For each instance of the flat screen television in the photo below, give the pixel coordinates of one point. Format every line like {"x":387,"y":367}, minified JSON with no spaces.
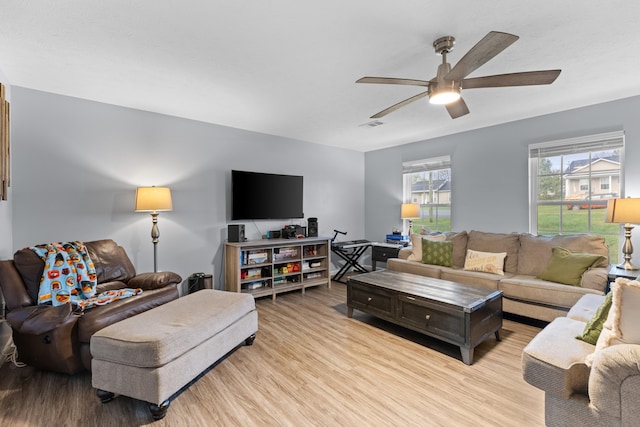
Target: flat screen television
{"x":256,"y":195}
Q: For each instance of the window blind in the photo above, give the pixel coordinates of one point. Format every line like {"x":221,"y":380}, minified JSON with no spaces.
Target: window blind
{"x":425,"y":165}
{"x":604,"y":141}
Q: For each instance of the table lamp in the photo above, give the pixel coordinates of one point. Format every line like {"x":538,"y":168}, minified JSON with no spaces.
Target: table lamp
{"x":410,"y":211}
{"x":153,"y":199}
{"x":627,"y":212}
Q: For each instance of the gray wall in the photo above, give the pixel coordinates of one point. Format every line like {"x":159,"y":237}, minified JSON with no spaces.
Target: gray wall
{"x":6,"y":233}
{"x":490,"y":167}
{"x":77,"y":164}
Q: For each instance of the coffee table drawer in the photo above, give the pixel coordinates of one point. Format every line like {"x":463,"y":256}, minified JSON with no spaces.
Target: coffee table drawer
{"x":371,"y":300}
{"x":440,"y":320}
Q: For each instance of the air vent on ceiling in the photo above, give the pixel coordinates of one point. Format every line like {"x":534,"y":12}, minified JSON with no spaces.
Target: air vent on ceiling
{"x":372,"y":124}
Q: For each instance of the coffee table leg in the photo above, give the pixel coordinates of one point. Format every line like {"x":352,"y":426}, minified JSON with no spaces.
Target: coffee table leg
{"x":349,"y":312}
{"x":467,"y":355}
{"x":498,"y":335}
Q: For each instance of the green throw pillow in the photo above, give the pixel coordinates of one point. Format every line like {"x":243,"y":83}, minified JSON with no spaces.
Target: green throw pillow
{"x":593,"y":328}
{"x":437,"y":253}
{"x":568,"y":267}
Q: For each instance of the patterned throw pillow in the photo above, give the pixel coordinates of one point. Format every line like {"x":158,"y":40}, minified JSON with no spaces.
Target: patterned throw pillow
{"x":437,"y":252}
{"x":416,"y":244}
{"x":487,"y":262}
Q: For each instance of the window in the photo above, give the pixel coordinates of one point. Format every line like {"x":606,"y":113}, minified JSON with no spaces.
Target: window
{"x":428,"y":183}
{"x":571,"y":182}
{"x":584,"y":185}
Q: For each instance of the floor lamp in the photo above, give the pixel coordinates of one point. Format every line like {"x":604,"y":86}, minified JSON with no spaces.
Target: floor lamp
{"x":627,"y":212}
{"x":410,"y":211}
{"x":153,"y":199}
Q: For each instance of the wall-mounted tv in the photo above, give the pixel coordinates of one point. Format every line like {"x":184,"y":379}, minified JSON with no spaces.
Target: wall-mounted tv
{"x":256,"y":195}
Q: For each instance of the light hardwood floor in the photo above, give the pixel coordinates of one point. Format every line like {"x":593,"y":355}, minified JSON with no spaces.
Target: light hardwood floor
{"x":311,"y":365}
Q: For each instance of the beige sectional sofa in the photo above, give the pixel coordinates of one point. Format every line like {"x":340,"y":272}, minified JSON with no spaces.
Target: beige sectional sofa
{"x":586,"y":384}
{"x":527,"y":257}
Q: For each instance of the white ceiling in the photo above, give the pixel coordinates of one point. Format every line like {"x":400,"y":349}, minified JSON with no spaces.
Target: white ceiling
{"x":288,"y":67}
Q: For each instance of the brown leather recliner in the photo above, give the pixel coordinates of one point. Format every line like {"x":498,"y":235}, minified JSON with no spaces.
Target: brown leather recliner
{"x":56,"y":338}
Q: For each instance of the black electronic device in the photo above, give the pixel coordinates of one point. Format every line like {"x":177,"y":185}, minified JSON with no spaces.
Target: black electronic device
{"x":274,"y":234}
{"x":293,"y":232}
{"x":196,"y":282}
{"x":312,"y":227}
{"x":235,"y":233}
{"x":256,"y":195}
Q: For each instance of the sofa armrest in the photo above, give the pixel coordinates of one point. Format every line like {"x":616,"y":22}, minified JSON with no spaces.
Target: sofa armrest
{"x":47,"y":337}
{"x":614,"y":382}
{"x":404,"y":253}
{"x":149,"y":281}
{"x":595,"y":278}
{"x":38,"y":319}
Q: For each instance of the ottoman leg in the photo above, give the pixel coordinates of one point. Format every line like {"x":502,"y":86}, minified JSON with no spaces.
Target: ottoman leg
{"x":250,"y":340}
{"x":159,"y":411}
{"x":105,"y":396}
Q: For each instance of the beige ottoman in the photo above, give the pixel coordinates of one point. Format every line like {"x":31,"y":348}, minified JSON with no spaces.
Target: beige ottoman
{"x":156,"y":355}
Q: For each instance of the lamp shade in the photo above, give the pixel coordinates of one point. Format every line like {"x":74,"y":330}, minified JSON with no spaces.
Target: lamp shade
{"x":409,"y":210}
{"x":623,"y":211}
{"x":153,"y":199}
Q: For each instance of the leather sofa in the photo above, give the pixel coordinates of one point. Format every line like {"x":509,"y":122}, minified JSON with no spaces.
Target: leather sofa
{"x":527,"y":256}
{"x":56,"y":338}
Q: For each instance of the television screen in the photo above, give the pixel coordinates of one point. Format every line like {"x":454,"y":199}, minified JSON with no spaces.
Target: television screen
{"x":256,"y":195}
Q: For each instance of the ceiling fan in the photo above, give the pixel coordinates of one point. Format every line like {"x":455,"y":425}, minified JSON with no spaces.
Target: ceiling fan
{"x":445,"y":87}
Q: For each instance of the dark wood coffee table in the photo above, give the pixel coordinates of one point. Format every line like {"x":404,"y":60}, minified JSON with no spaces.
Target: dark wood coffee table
{"x":453,"y":312}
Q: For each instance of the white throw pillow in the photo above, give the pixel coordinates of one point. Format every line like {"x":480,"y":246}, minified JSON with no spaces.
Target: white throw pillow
{"x":488,"y":262}
{"x":622,"y":322}
{"x":416,"y":244}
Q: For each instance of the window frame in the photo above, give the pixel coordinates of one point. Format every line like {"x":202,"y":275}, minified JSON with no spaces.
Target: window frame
{"x":432,"y":164}
{"x":588,"y":145}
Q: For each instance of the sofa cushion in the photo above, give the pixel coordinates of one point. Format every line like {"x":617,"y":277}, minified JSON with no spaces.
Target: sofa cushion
{"x":554,"y":360}
{"x":593,"y":328}
{"x":30,"y":266}
{"x":586,"y":307}
{"x":477,"y":279}
{"x":437,"y":253}
{"x":12,"y":287}
{"x":497,"y":242}
{"x":488,"y":262}
{"x":621,"y":326}
{"x":459,"y":240}
{"x":537,"y":291}
{"x":535,"y":251}
{"x":413,"y":267}
{"x":99,"y":317}
{"x":568,"y":267}
{"x":110,"y":260}
{"x":416,"y":245}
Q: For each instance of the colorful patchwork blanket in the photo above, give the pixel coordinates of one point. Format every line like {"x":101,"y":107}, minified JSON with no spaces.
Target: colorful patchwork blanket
{"x":69,"y":276}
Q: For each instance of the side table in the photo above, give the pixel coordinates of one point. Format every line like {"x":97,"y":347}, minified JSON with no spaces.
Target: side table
{"x":383,"y":251}
{"x":615,"y":272}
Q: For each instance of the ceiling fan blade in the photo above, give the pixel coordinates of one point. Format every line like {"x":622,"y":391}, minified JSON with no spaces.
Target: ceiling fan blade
{"x":399,"y":104}
{"x":393,"y":81}
{"x":491,"y":45}
{"x":527,"y":78}
{"x":457,"y":109}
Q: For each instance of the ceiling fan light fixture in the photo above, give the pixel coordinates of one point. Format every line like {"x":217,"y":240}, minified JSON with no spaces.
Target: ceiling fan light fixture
{"x":444,"y":94}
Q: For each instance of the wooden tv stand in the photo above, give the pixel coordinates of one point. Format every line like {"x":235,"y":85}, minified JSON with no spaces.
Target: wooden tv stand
{"x":272,"y":266}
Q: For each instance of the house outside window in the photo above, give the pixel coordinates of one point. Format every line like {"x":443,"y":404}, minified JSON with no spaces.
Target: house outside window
{"x":427,"y":182}
{"x":571,"y":182}
{"x":584,"y":184}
